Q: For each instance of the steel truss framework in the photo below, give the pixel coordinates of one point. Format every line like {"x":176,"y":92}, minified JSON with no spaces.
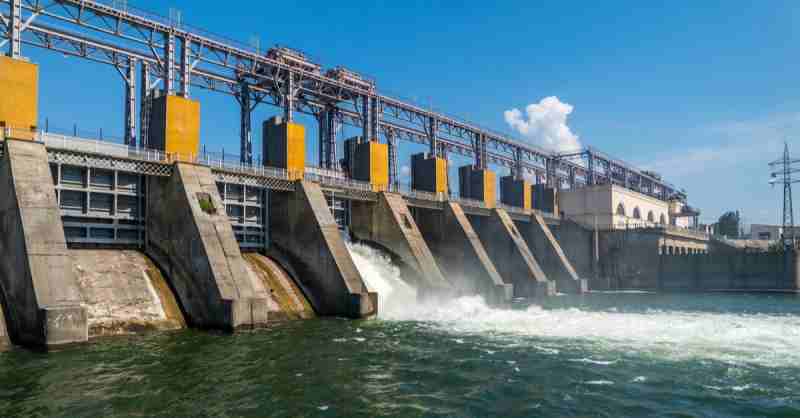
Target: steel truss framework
{"x":177,"y":58}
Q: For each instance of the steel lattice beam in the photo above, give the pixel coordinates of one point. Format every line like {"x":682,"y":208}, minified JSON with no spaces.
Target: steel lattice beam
{"x":101,"y":33}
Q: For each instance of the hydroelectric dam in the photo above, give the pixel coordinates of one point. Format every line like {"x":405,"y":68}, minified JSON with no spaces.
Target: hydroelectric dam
{"x":101,"y":239}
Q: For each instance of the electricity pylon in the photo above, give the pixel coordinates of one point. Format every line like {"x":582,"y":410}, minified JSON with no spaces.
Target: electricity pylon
{"x":782,"y":174}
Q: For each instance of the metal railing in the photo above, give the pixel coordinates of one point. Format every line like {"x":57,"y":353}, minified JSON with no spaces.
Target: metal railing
{"x":663,"y":227}
{"x":338,"y":181}
{"x":423,"y":195}
{"x":332,"y":178}
{"x":468,"y":202}
{"x":514,"y":209}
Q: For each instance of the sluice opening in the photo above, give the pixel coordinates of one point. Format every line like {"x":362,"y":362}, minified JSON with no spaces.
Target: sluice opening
{"x":290,"y":299}
{"x":124,"y":292}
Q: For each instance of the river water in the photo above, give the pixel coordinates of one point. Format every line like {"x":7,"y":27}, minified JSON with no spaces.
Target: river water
{"x":603,"y":354}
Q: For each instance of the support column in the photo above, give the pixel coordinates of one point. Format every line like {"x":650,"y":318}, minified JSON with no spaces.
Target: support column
{"x":511,"y":255}
{"x":394,"y":178}
{"x":15,"y":29}
{"x":480,"y":152}
{"x":460,"y":253}
{"x":245,"y":123}
{"x":429,"y":173}
{"x":375,"y":119}
{"x":478,"y":184}
{"x":129,"y":77}
{"x":289,"y":98}
{"x":186,"y":67}
{"x":41,"y":293}
{"x":433,"y":128}
{"x":327,"y":137}
{"x":284,"y":146}
{"x":145,"y":105}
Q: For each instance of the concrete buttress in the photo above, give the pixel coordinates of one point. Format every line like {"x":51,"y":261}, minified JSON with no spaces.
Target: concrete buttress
{"x":304,"y":233}
{"x":460,"y":253}
{"x":190,"y":237}
{"x":554,"y":262}
{"x":388,"y":223}
{"x":511,"y":255}
{"x":43,"y":302}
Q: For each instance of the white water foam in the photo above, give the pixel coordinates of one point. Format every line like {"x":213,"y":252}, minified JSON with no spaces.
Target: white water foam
{"x":768,"y":340}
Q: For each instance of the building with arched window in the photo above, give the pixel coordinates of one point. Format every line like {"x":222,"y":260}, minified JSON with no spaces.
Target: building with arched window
{"x":612,"y":207}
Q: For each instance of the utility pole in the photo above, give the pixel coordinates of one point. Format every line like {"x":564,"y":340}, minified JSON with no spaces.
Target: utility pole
{"x":782,"y":174}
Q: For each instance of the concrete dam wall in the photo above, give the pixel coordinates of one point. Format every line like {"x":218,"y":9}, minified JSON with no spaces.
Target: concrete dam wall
{"x":98,"y":246}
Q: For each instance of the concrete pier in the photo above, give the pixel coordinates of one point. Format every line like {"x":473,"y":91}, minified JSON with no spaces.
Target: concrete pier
{"x":389,"y":225}
{"x":460,"y":253}
{"x":509,"y":252}
{"x":305,"y":235}
{"x":190,"y":237}
{"x":554,"y":262}
{"x":43,"y":301}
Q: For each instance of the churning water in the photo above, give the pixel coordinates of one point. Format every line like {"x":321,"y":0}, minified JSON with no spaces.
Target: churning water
{"x":603,"y":354}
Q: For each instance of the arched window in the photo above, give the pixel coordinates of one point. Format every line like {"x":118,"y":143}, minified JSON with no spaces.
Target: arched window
{"x":636,"y":213}
{"x":662,"y":219}
{"x":651,"y":217}
{"x":621,"y":209}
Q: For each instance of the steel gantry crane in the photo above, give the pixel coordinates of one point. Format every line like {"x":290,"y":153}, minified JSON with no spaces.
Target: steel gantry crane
{"x":178,"y":57}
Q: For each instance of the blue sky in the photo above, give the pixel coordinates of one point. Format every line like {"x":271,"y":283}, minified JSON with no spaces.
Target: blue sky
{"x":703,"y":93}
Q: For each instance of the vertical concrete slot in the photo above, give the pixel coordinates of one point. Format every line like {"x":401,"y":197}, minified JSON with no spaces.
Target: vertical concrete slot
{"x":388,"y":224}
{"x":304,"y":233}
{"x":460,"y":253}
{"x":555,"y":264}
{"x":190,"y":237}
{"x":511,"y":255}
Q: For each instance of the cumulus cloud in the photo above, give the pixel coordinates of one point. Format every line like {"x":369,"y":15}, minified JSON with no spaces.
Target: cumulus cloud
{"x":545,"y":124}
{"x":405,"y":171}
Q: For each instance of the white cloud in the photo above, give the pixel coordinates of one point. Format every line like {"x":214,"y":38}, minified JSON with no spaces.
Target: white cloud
{"x":545,"y":124}
{"x":405,"y":171}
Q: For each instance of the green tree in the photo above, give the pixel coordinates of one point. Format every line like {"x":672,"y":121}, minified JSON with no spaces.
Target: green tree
{"x":728,"y":224}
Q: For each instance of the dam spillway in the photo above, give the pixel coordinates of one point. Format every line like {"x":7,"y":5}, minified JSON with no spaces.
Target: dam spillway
{"x":227,"y":225}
